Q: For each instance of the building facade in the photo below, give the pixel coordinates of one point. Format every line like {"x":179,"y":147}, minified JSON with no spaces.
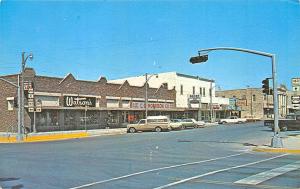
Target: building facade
{"x":252,"y":103}
{"x":53,"y":103}
{"x":194,"y":95}
{"x":294,"y":96}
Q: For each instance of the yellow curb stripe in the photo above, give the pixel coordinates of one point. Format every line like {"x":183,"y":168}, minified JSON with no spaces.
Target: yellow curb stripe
{"x":10,"y":139}
{"x":62,"y":136}
{"x":41,"y":138}
{"x":277,"y":150}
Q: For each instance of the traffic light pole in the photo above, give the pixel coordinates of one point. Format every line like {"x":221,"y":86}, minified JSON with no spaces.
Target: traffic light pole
{"x":276,"y":140}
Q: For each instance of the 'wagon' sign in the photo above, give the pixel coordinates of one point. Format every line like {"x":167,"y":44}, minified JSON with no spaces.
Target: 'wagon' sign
{"x":79,"y":101}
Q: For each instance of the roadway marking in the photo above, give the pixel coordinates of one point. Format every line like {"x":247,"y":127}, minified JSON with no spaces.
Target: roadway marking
{"x":153,"y":170}
{"x":264,"y":176}
{"x":217,"y":171}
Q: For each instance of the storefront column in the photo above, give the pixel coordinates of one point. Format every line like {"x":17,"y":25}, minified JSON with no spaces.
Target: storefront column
{"x":77,"y":119}
{"x":61,"y":120}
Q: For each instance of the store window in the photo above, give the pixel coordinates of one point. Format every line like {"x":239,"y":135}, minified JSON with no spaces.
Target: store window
{"x":253,"y":98}
{"x":193,"y":90}
{"x":200,"y":91}
{"x":203,"y":91}
{"x":89,"y":118}
{"x":10,"y":105}
{"x":70,"y":117}
{"x":47,"y":118}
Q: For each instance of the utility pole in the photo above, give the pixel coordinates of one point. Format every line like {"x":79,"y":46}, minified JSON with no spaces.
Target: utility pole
{"x":22,"y":126}
{"x":146,"y":92}
{"x":146,"y":96}
{"x":211,"y":108}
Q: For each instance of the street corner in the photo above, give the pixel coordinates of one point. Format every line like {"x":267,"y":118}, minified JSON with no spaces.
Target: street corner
{"x":268,"y":149}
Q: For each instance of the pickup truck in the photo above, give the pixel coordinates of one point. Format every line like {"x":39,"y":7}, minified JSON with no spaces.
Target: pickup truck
{"x":291,"y":122}
{"x":232,"y":119}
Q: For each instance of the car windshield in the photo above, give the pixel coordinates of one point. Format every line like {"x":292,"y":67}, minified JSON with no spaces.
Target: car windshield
{"x":149,"y":94}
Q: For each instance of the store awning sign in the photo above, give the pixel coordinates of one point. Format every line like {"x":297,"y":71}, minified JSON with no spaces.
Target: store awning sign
{"x":79,"y":101}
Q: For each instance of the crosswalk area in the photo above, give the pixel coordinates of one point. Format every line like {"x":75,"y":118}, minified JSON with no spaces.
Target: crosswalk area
{"x":244,"y":170}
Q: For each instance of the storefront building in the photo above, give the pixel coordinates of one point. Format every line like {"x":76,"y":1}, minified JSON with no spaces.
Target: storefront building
{"x":53,"y":103}
{"x":252,"y":103}
{"x":195,"y":95}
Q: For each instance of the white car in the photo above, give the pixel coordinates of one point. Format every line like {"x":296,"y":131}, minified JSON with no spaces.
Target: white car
{"x":233,"y":119}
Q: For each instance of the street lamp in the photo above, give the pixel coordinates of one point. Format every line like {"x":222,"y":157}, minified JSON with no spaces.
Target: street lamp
{"x":21,"y":95}
{"x":276,"y":140}
{"x":146,"y":92}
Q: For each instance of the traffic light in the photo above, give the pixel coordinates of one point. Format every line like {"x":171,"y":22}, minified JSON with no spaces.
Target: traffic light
{"x":199,"y":59}
{"x":266,"y":87}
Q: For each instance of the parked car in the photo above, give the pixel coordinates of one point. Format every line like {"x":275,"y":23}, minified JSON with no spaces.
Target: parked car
{"x":233,"y":119}
{"x":176,"y":124}
{"x":291,"y":122}
{"x":188,"y":123}
{"x":152,"y":123}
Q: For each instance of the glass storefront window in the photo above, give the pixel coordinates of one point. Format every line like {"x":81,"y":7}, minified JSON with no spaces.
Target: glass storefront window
{"x":47,"y":118}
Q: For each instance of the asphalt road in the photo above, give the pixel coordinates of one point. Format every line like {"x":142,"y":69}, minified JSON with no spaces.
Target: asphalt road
{"x":212,"y":157}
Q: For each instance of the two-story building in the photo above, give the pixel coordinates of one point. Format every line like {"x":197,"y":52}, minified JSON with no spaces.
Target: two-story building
{"x":195,"y":96}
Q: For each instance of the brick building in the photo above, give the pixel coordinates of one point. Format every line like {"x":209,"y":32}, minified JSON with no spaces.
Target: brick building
{"x":66,"y":103}
{"x":253,"y":103}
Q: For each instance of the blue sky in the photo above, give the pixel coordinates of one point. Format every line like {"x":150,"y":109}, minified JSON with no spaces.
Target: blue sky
{"x":126,"y":38}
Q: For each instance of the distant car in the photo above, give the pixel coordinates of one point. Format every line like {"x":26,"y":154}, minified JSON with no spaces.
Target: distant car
{"x":152,"y":123}
{"x":188,"y":123}
{"x":233,"y":119}
{"x":290,"y":123}
{"x":176,"y":124}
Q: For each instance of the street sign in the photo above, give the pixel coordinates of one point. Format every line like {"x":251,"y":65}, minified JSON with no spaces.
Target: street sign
{"x":30,"y":104}
{"x":38,"y":109}
{"x":30,"y":109}
{"x":295,"y":99}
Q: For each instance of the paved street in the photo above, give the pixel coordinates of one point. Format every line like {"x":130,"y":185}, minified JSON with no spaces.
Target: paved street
{"x":212,"y":157}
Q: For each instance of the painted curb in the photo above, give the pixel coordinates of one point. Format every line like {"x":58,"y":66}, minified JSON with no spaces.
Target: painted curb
{"x":45,"y":138}
{"x":276,"y":150}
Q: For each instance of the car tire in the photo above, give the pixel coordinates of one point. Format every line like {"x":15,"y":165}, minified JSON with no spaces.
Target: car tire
{"x":158,"y":129}
{"x":284,"y":129}
{"x":132,"y":130}
{"x":223,"y":122}
{"x":182,"y":127}
{"x":239,"y":122}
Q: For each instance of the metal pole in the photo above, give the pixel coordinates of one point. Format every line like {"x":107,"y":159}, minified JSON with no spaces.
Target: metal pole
{"x":251,"y":103}
{"x":211,"y":110}
{"x":19,"y":135}
{"x":146,"y":96}
{"x":199,"y":111}
{"x":85,"y":117}
{"x":34,"y":127}
{"x":22,"y":98}
{"x":276,"y":140}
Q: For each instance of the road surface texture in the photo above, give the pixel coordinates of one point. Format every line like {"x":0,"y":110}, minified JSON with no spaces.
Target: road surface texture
{"x":212,"y":157}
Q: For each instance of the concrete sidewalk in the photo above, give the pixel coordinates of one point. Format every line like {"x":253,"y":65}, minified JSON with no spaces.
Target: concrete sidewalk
{"x":291,"y":144}
{"x":60,"y":135}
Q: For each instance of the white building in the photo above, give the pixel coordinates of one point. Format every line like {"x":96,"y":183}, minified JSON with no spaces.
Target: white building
{"x":186,"y":87}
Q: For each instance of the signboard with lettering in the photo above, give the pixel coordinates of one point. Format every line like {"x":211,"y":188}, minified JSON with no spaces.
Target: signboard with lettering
{"x":295,"y":99}
{"x":79,"y":101}
{"x":141,"y":105}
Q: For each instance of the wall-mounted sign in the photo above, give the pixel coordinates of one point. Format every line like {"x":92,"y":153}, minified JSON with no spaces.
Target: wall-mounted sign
{"x":241,"y":102}
{"x":28,"y":85}
{"x":38,"y":110}
{"x":141,"y":105}
{"x":30,"y":109}
{"x":295,"y":82}
{"x":79,"y":101}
